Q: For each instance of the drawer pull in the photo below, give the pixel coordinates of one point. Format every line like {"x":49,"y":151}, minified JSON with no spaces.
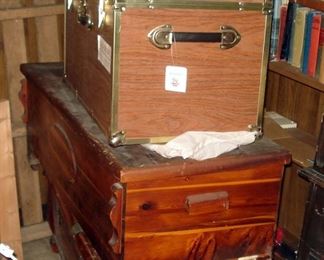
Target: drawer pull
{"x":205,"y":203}
{"x":320,"y":212}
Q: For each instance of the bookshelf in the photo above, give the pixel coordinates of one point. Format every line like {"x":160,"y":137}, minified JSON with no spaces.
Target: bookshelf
{"x":300,"y":98}
{"x":314,"y":4}
{"x":295,"y":74}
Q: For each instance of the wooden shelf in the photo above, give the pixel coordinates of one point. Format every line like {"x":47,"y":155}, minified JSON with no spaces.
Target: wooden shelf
{"x":315,"y":4}
{"x":299,"y":143}
{"x":295,"y":74}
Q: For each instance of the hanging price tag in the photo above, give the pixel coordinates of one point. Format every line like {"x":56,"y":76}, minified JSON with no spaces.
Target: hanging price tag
{"x":176,"y":79}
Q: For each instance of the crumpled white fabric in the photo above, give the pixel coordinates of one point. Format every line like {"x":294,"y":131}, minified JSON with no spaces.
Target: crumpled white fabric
{"x":200,"y":145}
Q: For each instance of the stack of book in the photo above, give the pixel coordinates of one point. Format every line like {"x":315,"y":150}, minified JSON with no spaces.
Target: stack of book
{"x":298,"y":37}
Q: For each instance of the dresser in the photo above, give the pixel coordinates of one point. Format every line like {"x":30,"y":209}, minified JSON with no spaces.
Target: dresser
{"x":130,"y":203}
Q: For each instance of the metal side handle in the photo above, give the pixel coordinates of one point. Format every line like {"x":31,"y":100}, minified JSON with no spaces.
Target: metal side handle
{"x":84,"y":17}
{"x":163,"y":36}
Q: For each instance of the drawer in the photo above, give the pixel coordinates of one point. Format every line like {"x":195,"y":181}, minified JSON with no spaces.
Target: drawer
{"x":213,"y":243}
{"x":71,"y":240}
{"x":201,"y":205}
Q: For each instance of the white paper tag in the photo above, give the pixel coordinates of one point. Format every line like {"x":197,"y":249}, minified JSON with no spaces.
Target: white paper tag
{"x":104,"y":53}
{"x":69,"y":4}
{"x":176,"y":78}
{"x":101,"y":12}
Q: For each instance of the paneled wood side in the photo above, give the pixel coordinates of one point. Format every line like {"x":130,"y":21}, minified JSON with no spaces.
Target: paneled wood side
{"x":69,"y":236}
{"x":295,"y":100}
{"x":222,"y":85}
{"x":84,"y":184}
{"x":86,"y":75}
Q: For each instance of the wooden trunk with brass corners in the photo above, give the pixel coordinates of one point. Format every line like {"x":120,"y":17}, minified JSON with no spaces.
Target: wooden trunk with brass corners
{"x":131,"y":203}
{"x":147,"y":71}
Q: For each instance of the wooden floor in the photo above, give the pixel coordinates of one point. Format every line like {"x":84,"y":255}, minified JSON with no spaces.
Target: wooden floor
{"x":39,"y":250}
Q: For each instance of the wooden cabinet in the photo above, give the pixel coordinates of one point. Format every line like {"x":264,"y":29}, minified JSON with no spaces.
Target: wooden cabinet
{"x":134,"y":204}
{"x":300,"y":98}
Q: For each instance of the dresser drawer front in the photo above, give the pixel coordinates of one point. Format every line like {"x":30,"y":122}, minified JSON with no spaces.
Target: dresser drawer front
{"x":219,"y":243}
{"x":208,"y":205}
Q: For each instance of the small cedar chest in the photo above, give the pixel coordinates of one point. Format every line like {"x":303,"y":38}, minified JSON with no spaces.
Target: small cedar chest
{"x":133,"y":204}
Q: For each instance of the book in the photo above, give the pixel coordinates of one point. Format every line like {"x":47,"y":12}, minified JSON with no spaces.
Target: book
{"x":292,"y":33}
{"x":320,"y":57}
{"x":314,"y":43}
{"x":308,"y":31}
{"x":286,"y":38}
{"x":298,"y":39}
{"x":275,"y":29}
{"x":282,"y":25}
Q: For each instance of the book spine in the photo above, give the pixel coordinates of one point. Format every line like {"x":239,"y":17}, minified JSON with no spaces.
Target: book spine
{"x":308,"y":30}
{"x":286,"y":39}
{"x":282,"y":25}
{"x":314,"y":43}
{"x":298,"y":39}
{"x":275,"y":29}
{"x":320,"y":58}
{"x":292,"y":34}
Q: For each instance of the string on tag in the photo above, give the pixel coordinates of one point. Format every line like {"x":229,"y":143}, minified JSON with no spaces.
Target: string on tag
{"x":173,"y":50}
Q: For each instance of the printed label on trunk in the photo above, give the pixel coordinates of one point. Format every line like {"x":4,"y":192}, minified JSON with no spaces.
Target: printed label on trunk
{"x":176,"y":79}
{"x":101,"y":12}
{"x":104,"y":53}
{"x":69,"y":4}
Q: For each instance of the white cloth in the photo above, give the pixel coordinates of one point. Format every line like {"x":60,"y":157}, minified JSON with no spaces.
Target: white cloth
{"x":202,"y":145}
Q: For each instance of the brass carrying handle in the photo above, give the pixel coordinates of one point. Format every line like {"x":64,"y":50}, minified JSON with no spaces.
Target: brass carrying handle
{"x":163,"y":37}
{"x":205,"y":203}
{"x":83,"y":17}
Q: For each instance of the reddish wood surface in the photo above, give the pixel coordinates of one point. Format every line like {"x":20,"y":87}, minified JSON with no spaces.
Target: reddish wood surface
{"x":150,"y":215}
{"x":74,"y":246}
{"x":203,"y":244}
{"x":160,"y":207}
{"x":223,"y":85}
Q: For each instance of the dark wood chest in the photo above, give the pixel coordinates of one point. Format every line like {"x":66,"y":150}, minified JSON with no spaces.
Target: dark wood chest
{"x":131,"y":203}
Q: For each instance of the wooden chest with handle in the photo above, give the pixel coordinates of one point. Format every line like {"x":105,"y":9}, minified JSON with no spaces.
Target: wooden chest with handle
{"x":134,"y":204}
{"x":147,"y":71}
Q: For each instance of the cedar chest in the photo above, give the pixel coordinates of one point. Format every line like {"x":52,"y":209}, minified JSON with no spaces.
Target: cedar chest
{"x":131,"y":203}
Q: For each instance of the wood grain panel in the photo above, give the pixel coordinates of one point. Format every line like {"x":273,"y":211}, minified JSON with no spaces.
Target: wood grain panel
{"x":295,"y":96}
{"x":9,"y":211}
{"x":248,"y":202}
{"x":206,"y":244}
{"x":69,"y":236}
{"x":294,"y":196}
{"x":48,"y":40}
{"x":28,"y":185}
{"x":152,"y":178}
{"x":65,"y":169}
{"x":84,"y":72}
{"x":307,"y":108}
{"x":287,"y":96}
{"x":15,"y":54}
{"x":272,"y":90}
{"x":223,"y":85}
